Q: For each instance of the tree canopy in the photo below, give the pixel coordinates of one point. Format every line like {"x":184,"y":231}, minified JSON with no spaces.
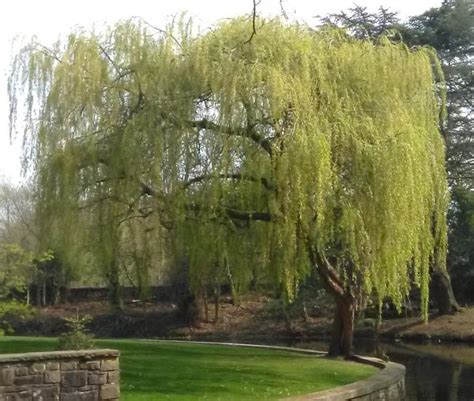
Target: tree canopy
{"x":449,"y":30}
{"x":297,"y":149}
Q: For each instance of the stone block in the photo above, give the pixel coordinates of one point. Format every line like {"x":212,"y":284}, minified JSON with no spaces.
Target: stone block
{"x":47,"y":398}
{"x":380,"y":395}
{"x":28,"y":380}
{"x":46,"y":394}
{"x":109,"y":392}
{"x":90,"y":365}
{"x":14,"y":389}
{"x":22,"y":371}
{"x":394,"y":392}
{"x":78,"y":389}
{"x":52,"y":376}
{"x":113,"y":376}
{"x":97,"y":378}
{"x":74,"y":378}
{"x":69,"y":365}
{"x":91,"y":395}
{"x":110,"y":364}
{"x":37,"y":368}
{"x":7,"y":376}
{"x":20,"y":396}
{"x":52,"y":366}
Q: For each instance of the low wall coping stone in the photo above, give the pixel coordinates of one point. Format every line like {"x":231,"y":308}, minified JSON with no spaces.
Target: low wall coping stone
{"x":54,"y":355}
{"x":389,"y":374}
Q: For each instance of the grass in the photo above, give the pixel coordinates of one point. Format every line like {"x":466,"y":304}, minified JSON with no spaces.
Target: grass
{"x":154,"y":370}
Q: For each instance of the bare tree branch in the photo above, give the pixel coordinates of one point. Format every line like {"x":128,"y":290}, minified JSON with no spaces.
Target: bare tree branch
{"x":160,"y":30}
{"x":254,"y":21}
{"x":283,"y":11}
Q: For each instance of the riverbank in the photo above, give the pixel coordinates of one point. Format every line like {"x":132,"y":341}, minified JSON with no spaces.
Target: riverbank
{"x":256,"y":319}
{"x":447,"y":328}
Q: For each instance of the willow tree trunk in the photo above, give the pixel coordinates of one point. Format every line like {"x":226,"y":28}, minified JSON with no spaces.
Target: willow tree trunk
{"x":442,"y":293}
{"x":343,"y":327}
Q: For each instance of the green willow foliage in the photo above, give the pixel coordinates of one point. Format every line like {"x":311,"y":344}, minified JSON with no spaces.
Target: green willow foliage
{"x":241,"y":153}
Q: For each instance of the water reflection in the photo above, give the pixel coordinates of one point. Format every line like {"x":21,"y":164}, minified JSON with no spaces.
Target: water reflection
{"x":433,"y":378}
{"x":434,"y":372}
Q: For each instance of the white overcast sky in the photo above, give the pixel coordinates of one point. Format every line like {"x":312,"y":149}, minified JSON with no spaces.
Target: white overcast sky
{"x":47,"y":19}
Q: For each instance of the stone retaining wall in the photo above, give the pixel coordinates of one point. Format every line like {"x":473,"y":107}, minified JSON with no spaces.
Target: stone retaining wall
{"x":386,"y":385}
{"x":60,"y":376}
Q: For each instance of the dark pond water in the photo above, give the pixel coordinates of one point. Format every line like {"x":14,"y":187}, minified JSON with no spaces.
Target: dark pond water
{"x":434,"y":372}
{"x":448,"y":375}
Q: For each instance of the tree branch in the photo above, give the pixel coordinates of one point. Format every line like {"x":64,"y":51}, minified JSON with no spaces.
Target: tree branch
{"x":235,"y":214}
{"x":327,"y":272}
{"x":283,"y":11}
{"x":254,"y":20}
{"x":164,"y":32}
{"x":247,"y":132}
{"x":107,"y":56}
{"x":235,"y":176}
{"x":141,"y":215}
{"x":248,"y":216}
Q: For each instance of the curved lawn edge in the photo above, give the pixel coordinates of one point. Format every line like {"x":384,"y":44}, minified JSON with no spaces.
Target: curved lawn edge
{"x":389,"y":381}
{"x":244,"y":345}
{"x":386,"y":384}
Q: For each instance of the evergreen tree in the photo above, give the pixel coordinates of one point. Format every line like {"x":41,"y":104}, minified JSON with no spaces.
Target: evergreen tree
{"x":450,"y":30}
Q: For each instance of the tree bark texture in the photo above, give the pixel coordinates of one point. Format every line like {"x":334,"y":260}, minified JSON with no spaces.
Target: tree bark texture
{"x":442,"y":293}
{"x":343,"y":325}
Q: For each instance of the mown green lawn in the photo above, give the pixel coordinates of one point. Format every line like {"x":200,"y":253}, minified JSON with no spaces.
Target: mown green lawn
{"x":154,"y":370}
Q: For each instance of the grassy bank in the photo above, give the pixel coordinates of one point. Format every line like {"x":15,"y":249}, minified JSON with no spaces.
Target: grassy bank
{"x":153,"y":371}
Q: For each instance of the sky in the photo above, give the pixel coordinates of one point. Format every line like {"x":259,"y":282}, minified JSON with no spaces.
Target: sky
{"x":48,"y":19}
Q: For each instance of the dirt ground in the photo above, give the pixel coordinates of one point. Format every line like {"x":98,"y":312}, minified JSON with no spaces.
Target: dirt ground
{"x":458,"y":327}
{"x":256,"y":318}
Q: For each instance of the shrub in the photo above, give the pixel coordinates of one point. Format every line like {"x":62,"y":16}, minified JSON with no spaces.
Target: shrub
{"x":77,"y":336}
{"x":8,"y":309}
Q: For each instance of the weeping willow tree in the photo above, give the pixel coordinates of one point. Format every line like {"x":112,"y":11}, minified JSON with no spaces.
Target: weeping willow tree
{"x":298,"y":150}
